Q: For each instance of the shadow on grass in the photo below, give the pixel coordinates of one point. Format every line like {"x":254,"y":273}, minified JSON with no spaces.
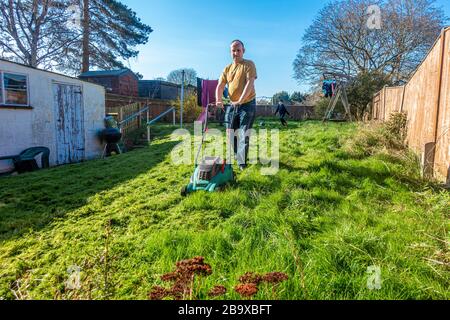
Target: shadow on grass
{"x":31,"y":201}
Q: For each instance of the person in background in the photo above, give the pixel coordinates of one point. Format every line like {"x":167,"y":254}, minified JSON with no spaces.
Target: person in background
{"x":281,"y":109}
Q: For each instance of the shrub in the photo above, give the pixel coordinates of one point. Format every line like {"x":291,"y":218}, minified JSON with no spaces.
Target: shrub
{"x":367,"y":141}
{"x":322,"y":106}
{"x":395,"y":129}
{"x":191,"y":111}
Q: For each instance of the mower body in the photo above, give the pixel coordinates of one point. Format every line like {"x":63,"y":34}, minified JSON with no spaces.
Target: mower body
{"x":211,"y":175}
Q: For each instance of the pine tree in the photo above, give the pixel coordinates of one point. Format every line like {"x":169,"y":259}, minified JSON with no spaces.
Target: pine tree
{"x":110,"y":33}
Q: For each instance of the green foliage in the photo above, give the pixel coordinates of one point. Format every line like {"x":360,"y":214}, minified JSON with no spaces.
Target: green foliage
{"x":322,"y":105}
{"x":361,"y":92}
{"x":328,"y":215}
{"x":191,"y":110}
{"x":283,"y":96}
{"x":298,"y":97}
{"x":396,"y":127}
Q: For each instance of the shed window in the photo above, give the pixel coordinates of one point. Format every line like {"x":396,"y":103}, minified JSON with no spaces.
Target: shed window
{"x":14,"y":89}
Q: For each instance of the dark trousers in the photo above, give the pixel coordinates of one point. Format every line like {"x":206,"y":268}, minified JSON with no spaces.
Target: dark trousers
{"x":243,"y":122}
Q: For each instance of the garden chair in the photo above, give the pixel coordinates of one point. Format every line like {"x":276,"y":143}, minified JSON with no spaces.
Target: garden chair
{"x":26,"y":162}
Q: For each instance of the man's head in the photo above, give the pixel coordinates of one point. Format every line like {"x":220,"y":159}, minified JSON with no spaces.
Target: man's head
{"x":237,"y":50}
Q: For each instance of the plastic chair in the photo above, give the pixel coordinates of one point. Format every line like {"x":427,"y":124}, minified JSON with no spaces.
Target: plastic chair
{"x":26,"y":162}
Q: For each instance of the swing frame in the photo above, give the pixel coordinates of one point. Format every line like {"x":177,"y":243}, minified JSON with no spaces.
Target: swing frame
{"x":342,"y":81}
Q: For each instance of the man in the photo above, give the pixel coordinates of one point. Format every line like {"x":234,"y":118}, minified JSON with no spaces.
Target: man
{"x":283,"y":111}
{"x":240,"y":77}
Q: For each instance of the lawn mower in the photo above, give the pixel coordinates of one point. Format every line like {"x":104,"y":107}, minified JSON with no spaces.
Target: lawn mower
{"x":212,"y":173}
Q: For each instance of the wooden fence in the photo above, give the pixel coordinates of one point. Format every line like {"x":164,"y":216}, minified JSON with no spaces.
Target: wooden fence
{"x":125,"y":106}
{"x":122,"y":113}
{"x":426,"y":101}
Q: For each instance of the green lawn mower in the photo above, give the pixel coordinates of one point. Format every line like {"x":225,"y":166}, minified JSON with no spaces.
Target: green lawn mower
{"x":213,"y":173}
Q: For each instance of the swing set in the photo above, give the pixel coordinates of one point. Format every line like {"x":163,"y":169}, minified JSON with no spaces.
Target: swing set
{"x":339,"y":83}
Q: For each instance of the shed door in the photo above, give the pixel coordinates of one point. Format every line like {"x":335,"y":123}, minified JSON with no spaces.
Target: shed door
{"x":69,"y":123}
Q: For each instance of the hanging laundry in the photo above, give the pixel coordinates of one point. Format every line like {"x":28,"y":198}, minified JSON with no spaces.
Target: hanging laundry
{"x":329,"y":88}
{"x":209,"y":91}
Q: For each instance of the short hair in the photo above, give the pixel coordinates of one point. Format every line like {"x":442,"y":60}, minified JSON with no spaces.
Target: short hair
{"x":237,"y":40}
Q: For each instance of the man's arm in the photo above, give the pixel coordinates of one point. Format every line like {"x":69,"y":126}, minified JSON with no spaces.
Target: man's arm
{"x":219,"y":94}
{"x":249,"y":87}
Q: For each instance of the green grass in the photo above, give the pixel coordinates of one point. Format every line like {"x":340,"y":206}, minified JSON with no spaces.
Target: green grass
{"x":329,"y":214}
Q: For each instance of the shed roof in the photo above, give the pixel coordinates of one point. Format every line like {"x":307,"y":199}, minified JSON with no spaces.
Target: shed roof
{"x":105,"y":73}
{"x":48,"y":71}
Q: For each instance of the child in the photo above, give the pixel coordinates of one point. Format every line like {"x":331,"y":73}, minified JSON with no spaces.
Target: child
{"x":283,"y":111}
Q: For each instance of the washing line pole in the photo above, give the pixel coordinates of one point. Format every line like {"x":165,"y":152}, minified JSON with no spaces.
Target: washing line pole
{"x":182,"y":98}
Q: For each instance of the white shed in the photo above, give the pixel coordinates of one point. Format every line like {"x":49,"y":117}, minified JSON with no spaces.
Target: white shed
{"x":42,"y":108}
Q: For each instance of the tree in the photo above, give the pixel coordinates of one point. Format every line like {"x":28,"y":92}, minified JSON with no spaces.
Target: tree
{"x":298,"y":97}
{"x":340,"y":40}
{"x":190,"y":77}
{"x":360,"y":92}
{"x":263,"y":101}
{"x":35,"y":33}
{"x":111,"y":32}
{"x":283,"y":96}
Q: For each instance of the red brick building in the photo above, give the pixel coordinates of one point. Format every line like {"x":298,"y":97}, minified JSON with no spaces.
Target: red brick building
{"x":123,"y":82}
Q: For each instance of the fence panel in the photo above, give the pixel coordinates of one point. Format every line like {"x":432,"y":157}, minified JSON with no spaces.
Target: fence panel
{"x":442,"y":155}
{"x":426,"y":100}
{"x":376,"y":106}
{"x":421,"y":98}
{"x":393,"y":101}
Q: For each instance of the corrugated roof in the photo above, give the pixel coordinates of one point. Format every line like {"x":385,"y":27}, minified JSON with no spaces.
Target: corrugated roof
{"x":104,"y":73}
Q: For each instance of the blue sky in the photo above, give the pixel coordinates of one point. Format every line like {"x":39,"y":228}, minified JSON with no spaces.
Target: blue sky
{"x":196,"y":34}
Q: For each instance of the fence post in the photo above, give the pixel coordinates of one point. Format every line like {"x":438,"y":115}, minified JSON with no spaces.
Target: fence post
{"x":148,"y":127}
{"x":384,"y":103}
{"x":139,"y":116}
{"x":441,"y":67}
{"x":122,"y":131}
{"x":428,"y":160}
{"x":403,"y":98}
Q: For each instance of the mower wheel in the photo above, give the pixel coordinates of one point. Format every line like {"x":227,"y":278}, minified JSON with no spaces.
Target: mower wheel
{"x":233,"y":180}
{"x":184,"y":191}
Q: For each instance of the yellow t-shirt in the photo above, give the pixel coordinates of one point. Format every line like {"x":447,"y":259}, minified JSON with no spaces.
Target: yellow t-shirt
{"x":237,"y":75}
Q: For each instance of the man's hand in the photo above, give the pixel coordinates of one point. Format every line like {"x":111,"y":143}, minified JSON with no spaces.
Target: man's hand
{"x":219,"y":104}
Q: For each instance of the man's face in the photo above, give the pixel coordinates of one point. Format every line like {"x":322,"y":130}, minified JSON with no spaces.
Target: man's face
{"x":237,"y":52}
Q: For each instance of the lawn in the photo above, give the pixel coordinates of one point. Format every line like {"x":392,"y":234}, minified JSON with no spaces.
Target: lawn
{"x":331,"y":213}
